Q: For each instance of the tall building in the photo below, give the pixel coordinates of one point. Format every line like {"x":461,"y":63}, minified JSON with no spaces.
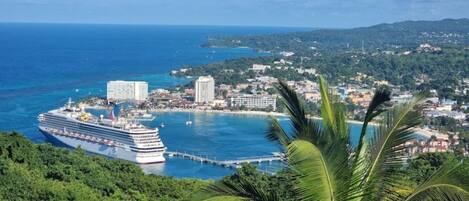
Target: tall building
{"x":127,"y":90}
{"x":204,"y":89}
{"x":254,"y":101}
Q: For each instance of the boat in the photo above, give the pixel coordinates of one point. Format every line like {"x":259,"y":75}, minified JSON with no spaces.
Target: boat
{"x":139,"y":115}
{"x":113,"y":137}
{"x":162,"y":125}
{"x":189,"y":122}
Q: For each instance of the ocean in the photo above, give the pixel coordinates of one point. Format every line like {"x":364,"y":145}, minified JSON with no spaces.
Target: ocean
{"x":42,"y":65}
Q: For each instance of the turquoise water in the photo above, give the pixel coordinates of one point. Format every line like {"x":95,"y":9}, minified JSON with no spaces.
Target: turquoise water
{"x":43,"y":64}
{"x":217,"y":136}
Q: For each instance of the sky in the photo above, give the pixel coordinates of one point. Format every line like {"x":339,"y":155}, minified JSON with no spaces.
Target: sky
{"x":292,"y":13}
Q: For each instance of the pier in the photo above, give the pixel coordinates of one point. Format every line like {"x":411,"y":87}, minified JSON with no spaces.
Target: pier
{"x":228,"y":163}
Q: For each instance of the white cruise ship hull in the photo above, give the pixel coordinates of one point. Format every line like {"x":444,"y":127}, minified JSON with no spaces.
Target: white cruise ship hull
{"x":105,"y":150}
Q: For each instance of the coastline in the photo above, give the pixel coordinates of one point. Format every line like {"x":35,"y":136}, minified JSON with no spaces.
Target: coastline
{"x":424,"y":132}
{"x":238,"y":112}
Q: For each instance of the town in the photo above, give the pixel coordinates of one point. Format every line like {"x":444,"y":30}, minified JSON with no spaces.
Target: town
{"x":258,"y":96}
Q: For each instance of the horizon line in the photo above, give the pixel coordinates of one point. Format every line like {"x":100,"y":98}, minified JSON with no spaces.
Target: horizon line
{"x":219,"y":25}
{"x":156,"y":24}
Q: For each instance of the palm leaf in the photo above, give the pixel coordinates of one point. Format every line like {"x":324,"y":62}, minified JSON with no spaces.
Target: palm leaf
{"x":302,"y":127}
{"x":386,"y":146}
{"x":294,"y":107}
{"x":360,"y":161}
{"x":226,"y":198}
{"x":443,"y":185}
{"x":380,"y":97}
{"x":244,"y":189}
{"x":316,"y":180}
{"x":275,"y":132}
{"x":327,"y":107}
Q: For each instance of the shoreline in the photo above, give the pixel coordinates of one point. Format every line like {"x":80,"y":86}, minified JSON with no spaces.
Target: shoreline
{"x":424,"y":132}
{"x":238,"y":112}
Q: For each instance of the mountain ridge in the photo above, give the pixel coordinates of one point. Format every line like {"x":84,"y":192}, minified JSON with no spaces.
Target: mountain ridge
{"x":447,"y":32}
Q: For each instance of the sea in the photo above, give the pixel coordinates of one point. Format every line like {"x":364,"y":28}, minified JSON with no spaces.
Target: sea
{"x":42,"y":65}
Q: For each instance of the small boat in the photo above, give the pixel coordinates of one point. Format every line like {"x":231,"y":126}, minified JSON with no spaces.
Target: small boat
{"x":189,"y":122}
{"x":162,"y":125}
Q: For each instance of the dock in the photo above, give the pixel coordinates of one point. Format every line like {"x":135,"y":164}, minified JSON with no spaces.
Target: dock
{"x":236,"y":163}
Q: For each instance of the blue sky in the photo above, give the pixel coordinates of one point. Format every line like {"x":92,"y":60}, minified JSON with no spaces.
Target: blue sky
{"x":304,"y":13}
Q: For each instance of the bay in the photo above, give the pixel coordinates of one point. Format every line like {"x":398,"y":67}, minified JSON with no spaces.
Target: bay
{"x":42,"y":65}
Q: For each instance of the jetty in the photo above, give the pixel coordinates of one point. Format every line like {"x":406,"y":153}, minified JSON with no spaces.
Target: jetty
{"x":236,"y":163}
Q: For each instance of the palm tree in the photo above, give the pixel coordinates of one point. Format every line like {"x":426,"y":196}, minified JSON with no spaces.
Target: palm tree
{"x":330,"y":168}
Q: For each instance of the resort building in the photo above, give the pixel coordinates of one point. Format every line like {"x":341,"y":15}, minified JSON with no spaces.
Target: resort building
{"x":204,"y":89}
{"x":127,"y":90}
{"x":254,"y":101}
{"x":259,"y":67}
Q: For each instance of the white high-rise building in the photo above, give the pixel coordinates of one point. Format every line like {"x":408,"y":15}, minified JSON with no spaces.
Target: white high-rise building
{"x":127,"y":90}
{"x":204,"y":89}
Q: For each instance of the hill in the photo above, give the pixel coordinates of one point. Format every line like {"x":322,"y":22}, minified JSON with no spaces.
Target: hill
{"x":42,"y":172}
{"x":448,"y":32}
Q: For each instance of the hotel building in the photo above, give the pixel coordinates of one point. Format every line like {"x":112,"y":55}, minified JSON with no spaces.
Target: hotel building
{"x":127,"y":90}
{"x":204,"y":89}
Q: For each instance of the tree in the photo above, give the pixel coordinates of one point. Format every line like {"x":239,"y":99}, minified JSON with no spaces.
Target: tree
{"x":328,"y":167}
{"x":42,"y":172}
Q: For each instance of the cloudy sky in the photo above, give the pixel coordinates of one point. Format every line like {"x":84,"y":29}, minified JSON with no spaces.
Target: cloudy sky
{"x":304,"y":13}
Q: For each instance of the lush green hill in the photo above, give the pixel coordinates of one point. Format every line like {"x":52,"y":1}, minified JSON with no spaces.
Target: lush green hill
{"x":450,"y":66}
{"x":448,"y":32}
{"x":42,"y":172}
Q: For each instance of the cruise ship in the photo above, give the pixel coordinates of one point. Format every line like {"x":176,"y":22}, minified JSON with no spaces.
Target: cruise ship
{"x":113,"y":137}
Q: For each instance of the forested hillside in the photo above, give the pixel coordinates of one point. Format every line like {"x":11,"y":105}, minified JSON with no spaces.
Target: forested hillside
{"x":447,"y":32}
{"x":42,"y":172}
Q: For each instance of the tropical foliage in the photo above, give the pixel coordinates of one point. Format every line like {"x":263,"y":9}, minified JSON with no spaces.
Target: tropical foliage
{"x":42,"y":172}
{"x":328,"y":167}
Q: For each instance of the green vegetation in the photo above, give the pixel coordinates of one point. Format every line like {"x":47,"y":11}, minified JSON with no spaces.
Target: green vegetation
{"x":323,"y":165}
{"x":337,"y":55}
{"x":450,"y":66}
{"x":41,"y":172}
{"x":327,"y":167}
{"x":280,"y":185}
{"x":383,"y":36}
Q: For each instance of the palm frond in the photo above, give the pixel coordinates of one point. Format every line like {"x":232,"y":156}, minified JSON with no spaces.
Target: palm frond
{"x":330,"y":145}
{"x":327,"y":110}
{"x":275,"y":132}
{"x":375,"y":108}
{"x":316,"y":180}
{"x":294,"y":107}
{"x":226,"y":198}
{"x":302,"y":127}
{"x":243,"y":189}
{"x":444,"y":185}
{"x":386,"y":146}
{"x":361,"y":163}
